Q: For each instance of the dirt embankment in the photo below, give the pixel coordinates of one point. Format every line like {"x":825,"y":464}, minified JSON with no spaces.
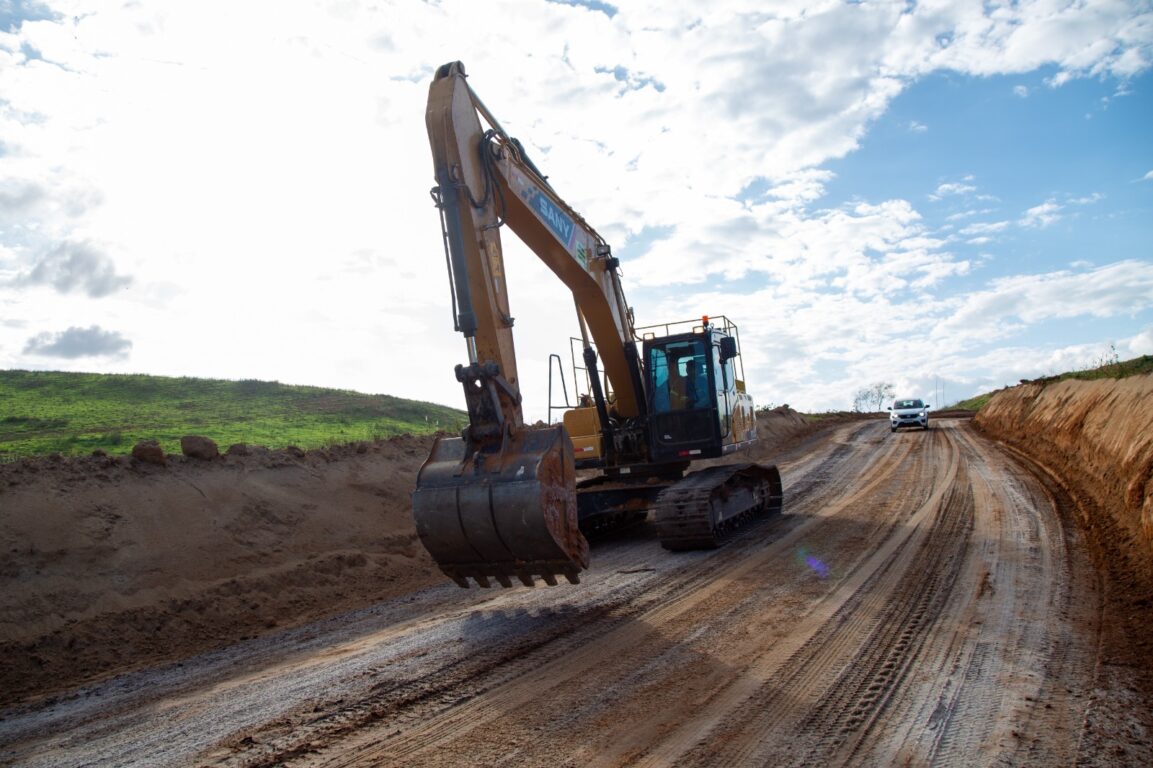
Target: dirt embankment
{"x":110,"y":563}
{"x":1096,"y":438}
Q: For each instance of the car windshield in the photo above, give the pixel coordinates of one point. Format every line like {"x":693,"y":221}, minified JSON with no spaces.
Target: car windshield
{"x":907,"y":404}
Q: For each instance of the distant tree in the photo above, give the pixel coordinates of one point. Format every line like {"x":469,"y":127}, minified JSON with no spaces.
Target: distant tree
{"x":873,"y":397}
{"x":882,"y":391}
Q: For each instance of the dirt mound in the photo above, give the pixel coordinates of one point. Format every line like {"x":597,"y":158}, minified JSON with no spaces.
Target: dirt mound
{"x":781,"y":427}
{"x":112,"y":563}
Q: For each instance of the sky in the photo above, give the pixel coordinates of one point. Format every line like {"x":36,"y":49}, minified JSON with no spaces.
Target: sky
{"x":946,"y":196}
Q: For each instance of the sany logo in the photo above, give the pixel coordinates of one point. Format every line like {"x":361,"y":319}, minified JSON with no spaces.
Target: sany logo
{"x":554,"y":218}
{"x":561,"y":225}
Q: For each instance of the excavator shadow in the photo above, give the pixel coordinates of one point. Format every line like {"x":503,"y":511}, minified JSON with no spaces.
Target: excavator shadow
{"x":757,"y":532}
{"x":638,"y":529}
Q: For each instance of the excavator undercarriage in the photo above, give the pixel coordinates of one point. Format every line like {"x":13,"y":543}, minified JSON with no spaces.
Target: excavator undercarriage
{"x":705,"y":508}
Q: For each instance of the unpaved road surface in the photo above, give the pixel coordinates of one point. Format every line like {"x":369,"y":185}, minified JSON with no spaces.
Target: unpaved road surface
{"x":924,"y":600}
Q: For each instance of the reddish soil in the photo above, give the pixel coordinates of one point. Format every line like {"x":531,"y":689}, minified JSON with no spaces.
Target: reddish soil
{"x":1095,"y":441}
{"x":112,"y":564}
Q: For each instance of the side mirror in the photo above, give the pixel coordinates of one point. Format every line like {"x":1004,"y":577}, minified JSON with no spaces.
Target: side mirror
{"x":728,"y":348}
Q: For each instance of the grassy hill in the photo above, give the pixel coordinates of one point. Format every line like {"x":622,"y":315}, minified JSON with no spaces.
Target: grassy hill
{"x":1107,"y":369}
{"x":43,"y":412}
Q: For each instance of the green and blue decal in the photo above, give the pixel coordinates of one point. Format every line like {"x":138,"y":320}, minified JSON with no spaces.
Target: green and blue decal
{"x":558,"y":221}
{"x":555,"y":218}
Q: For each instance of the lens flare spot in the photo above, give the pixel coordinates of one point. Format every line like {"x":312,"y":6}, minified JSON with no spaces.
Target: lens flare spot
{"x":813,"y":563}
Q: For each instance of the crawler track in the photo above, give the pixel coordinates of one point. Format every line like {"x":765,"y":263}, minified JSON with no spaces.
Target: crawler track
{"x":921,"y":601}
{"x":709,"y":505}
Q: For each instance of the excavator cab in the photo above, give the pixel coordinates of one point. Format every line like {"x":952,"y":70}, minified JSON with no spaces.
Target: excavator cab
{"x":698,"y":408}
{"x":684,"y":399}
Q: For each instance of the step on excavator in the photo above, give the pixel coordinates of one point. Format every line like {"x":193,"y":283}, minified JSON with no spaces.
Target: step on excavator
{"x":503,"y":501}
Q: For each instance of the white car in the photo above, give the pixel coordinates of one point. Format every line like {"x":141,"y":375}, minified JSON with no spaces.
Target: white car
{"x":910,"y":412}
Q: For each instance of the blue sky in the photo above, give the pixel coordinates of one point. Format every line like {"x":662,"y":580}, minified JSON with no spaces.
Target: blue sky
{"x":945,"y":196}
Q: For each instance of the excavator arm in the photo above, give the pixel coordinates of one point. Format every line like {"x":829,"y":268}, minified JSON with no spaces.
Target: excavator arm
{"x":485,"y":181}
{"x":500,"y":501}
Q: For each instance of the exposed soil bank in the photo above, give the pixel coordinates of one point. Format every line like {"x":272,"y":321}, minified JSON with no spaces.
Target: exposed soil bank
{"x":110,"y":564}
{"x":1096,"y":439}
{"x":1097,"y":436}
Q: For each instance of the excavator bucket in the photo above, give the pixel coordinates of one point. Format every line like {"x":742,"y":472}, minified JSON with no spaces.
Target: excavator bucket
{"x":502,"y":515}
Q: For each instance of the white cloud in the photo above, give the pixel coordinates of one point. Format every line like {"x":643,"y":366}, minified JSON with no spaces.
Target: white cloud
{"x":72,"y":267}
{"x":1117,"y":289}
{"x":953,"y":189}
{"x":1141,"y":344}
{"x":1095,"y":197}
{"x":1040,"y":216}
{"x":984,"y":228}
{"x":75,"y":342}
{"x":243,"y":193}
{"x":968,"y":214}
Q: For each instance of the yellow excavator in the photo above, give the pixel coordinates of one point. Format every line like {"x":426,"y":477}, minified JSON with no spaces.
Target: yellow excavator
{"x":503,"y":500}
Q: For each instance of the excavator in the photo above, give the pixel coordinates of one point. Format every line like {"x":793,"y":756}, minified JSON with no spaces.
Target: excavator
{"x":506,"y":500}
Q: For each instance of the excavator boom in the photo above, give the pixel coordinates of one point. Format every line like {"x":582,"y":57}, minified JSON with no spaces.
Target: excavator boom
{"x":501,"y":502}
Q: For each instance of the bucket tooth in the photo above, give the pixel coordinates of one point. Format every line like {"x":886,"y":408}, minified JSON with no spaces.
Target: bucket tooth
{"x":549,"y":579}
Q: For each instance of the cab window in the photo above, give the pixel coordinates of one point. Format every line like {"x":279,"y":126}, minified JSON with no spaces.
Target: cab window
{"x":679,"y":376}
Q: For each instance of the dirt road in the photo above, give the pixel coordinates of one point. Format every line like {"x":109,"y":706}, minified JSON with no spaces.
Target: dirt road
{"x":925,"y":600}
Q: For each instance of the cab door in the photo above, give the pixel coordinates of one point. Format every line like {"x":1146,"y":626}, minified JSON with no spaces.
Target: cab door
{"x":683,"y":387}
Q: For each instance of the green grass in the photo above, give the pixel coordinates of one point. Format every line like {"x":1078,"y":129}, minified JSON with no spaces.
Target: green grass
{"x":1113,"y":368}
{"x":972,"y":404}
{"x":44,"y":412}
{"x":1108,"y":367}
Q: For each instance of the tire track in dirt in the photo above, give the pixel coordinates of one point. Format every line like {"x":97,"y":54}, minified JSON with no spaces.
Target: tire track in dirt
{"x":965,"y":645}
{"x":670,"y":624}
{"x":798,"y":688}
{"x":407,"y":701}
{"x":701,"y":678}
{"x":915,"y":604}
{"x":1022,"y":669}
